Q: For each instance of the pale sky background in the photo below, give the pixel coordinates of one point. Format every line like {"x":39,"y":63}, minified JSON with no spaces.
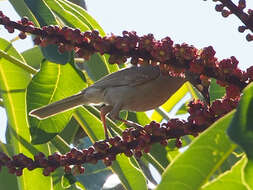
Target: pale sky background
{"x":192,"y":21}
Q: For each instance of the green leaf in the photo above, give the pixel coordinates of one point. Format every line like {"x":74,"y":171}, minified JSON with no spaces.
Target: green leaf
{"x":90,"y":124}
{"x":83,"y":15}
{"x":70,"y":184}
{"x":53,"y":82}
{"x":97,"y":67}
{"x":139,"y":117}
{"x":68,"y":17}
{"x":191,"y":169}
{"x":70,"y":131}
{"x":241,"y":127}
{"x":241,"y":130}
{"x":130,"y":176}
{"x":52,"y":54}
{"x":45,"y":17}
{"x":232,"y":180}
{"x":216,"y":91}
{"x":23,"y":10}
{"x":33,"y":57}
{"x":13,"y":83}
{"x":41,"y":11}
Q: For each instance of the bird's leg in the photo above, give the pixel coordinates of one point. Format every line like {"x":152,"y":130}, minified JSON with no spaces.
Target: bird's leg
{"x":103,"y":111}
{"x":115,"y":115}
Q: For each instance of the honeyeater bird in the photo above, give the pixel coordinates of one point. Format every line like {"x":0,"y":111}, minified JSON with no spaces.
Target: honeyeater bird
{"x":138,"y":88}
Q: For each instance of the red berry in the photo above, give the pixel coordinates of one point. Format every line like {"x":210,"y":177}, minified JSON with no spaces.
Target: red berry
{"x":46,"y":172}
{"x":137,"y":154}
{"x":10,"y":29}
{"x":107,"y":161}
{"x":242,"y":4}
{"x":219,"y":7}
{"x":242,"y":28}
{"x":61,"y":48}
{"x":128,"y":153}
{"x":178,"y":143}
{"x":24,"y":20}
{"x":249,"y":37}
{"x":225,"y":13}
{"x":19,"y":172}
{"x":164,"y":142}
{"x":67,"y":169}
{"x":22,"y":35}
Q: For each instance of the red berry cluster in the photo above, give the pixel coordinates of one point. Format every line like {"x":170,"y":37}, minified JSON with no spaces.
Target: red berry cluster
{"x":201,"y":114}
{"x":227,"y":7}
{"x":174,"y":59}
{"x":133,"y":142}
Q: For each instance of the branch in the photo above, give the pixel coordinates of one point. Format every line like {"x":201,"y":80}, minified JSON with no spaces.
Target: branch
{"x":246,"y":18}
{"x":173,"y":59}
{"x":133,"y":141}
{"x":17,"y":62}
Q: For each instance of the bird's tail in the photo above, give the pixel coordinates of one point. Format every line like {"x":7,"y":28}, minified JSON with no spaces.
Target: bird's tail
{"x":59,"y":106}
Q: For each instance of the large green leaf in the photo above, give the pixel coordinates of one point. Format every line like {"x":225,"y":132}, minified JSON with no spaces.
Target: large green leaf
{"x":90,"y":123}
{"x":241,"y":127}
{"x":70,"y":131}
{"x":194,"y":167}
{"x":53,"y":82}
{"x":83,"y":15}
{"x":41,"y":11}
{"x":45,"y":17}
{"x":13,"y":83}
{"x":97,"y":67}
{"x":68,"y":17}
{"x":130,"y":176}
{"x":232,"y":180}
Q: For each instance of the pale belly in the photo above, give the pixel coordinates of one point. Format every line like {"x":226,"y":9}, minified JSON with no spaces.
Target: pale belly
{"x":143,"y":97}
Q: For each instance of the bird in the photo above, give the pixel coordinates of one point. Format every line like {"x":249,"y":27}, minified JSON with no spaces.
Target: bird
{"x":136,"y":88}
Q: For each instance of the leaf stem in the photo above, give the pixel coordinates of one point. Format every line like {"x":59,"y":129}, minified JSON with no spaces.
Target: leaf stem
{"x":17,"y":62}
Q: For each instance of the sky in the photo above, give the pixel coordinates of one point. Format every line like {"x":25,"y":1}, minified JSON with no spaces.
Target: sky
{"x":191,"y":21}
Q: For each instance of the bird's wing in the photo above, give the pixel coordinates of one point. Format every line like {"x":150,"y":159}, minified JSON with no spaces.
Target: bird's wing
{"x":132,"y":76}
